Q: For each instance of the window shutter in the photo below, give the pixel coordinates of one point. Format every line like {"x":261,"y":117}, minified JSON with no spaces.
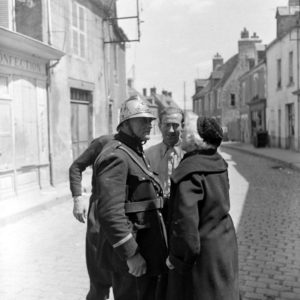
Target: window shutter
{"x":4,"y":13}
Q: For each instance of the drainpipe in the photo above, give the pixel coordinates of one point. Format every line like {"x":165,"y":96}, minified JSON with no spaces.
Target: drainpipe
{"x":48,"y":82}
{"x":298,"y":96}
{"x":50,"y":146}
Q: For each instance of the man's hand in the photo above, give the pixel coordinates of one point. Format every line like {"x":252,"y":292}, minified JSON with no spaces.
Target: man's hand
{"x":169,"y":264}
{"x":80,"y":208}
{"x":137,"y":265}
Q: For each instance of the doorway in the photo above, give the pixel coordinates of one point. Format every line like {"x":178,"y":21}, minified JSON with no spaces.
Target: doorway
{"x":81,"y":101}
{"x":290,"y":141}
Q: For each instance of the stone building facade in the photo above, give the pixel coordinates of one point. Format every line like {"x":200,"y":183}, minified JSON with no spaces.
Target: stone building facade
{"x":62,"y":79}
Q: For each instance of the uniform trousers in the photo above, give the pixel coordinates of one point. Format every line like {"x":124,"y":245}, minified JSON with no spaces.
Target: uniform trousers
{"x":100,"y":279}
{"x":128,"y":287}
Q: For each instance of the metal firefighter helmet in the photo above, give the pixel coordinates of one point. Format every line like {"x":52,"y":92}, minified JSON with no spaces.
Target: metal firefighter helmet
{"x":135,"y":107}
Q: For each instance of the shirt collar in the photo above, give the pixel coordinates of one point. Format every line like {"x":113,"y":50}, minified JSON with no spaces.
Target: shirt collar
{"x":176,"y":147}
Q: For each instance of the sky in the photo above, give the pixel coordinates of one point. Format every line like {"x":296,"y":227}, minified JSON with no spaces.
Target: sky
{"x":179,"y":39}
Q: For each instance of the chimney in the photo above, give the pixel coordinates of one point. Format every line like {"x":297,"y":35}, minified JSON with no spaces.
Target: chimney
{"x":170,"y":94}
{"x":130,"y":82}
{"x":153,"y":90}
{"x":294,"y":2}
{"x":164,"y":92}
{"x":245,"y":34}
{"x":217,"y":61}
{"x":254,"y":36}
{"x":287,"y":17}
{"x":247,"y":45}
{"x":145,"y":92}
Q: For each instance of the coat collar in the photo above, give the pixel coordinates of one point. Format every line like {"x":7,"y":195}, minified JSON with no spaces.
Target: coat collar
{"x":130,"y":141}
{"x":207,"y":161}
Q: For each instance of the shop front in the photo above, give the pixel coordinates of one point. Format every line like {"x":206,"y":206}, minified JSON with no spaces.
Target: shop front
{"x":258,"y":130}
{"x":24,"y":139}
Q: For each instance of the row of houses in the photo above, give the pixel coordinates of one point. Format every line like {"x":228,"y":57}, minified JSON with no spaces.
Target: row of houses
{"x":255,"y":93}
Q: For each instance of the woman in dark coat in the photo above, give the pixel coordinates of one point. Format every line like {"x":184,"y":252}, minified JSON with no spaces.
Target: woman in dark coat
{"x":203,"y":255}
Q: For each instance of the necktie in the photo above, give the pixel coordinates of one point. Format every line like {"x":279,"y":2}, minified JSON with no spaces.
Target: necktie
{"x":171,"y":167}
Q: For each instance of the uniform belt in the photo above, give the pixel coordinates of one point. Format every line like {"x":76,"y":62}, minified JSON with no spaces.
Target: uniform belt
{"x":132,"y":207}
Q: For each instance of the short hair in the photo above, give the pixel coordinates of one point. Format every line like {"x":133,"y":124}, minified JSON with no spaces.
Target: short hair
{"x":170,"y":110}
{"x":210,"y":130}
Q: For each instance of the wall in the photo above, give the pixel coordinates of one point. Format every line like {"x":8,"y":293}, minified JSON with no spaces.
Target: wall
{"x":279,"y":98}
{"x":94,"y":73}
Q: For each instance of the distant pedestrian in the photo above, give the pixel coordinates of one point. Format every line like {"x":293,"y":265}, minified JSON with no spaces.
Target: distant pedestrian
{"x":100,"y":279}
{"x":203,"y":255}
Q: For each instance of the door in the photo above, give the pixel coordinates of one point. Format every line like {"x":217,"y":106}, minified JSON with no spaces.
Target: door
{"x":290,"y":126}
{"x":80,"y":120}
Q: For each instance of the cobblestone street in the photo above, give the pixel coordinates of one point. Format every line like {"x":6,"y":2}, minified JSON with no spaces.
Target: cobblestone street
{"x":42,"y":256}
{"x":265,"y":207}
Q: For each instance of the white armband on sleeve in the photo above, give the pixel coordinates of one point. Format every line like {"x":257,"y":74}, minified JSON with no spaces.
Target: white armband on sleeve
{"x":123,"y":241}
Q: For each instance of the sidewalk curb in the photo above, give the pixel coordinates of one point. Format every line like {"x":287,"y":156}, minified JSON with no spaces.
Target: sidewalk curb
{"x":31,"y":210}
{"x":277,"y":160}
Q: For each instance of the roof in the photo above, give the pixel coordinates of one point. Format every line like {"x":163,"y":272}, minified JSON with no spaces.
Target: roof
{"x":224,"y":71}
{"x":204,"y":91}
{"x":272,"y":43}
{"x":132,"y":92}
{"x":165,"y":101}
{"x":228,"y":67}
{"x":259,"y":65}
{"x":201,"y":82}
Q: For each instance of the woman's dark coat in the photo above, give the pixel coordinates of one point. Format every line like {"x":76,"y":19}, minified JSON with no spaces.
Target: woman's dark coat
{"x":203,"y":245}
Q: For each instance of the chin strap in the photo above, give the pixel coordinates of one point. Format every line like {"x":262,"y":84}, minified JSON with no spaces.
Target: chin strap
{"x":134,"y":135}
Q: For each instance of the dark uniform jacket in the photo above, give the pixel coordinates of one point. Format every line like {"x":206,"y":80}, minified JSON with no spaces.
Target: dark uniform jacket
{"x":203,"y":245}
{"x":86,"y":159}
{"x":119,"y":181}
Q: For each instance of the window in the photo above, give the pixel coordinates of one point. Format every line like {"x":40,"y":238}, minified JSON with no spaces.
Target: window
{"x":78,"y":30}
{"x":3,"y":85}
{"x":232,"y":99}
{"x":28,"y":18}
{"x":279,"y":73}
{"x":291,"y":77}
{"x":215,"y":99}
{"x":255,"y":86}
{"x":115,"y":50}
{"x":243,"y":87}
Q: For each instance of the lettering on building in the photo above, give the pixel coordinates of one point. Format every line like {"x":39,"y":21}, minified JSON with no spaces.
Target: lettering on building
{"x":20,"y":63}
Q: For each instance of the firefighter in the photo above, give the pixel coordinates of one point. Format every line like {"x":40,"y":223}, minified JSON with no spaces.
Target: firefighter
{"x":128,"y":201}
